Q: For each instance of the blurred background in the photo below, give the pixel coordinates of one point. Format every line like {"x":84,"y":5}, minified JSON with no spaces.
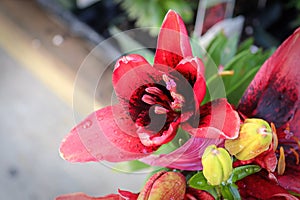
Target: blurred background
{"x":57,"y":57}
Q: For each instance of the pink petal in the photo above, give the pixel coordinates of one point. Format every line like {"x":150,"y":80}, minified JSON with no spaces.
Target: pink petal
{"x":193,"y":70}
{"x":126,"y":64}
{"x":193,"y":194}
{"x":82,"y":196}
{"x":173,"y":42}
{"x":186,"y":157}
{"x":165,"y":137}
{"x":107,"y":134}
{"x":274,"y":94}
{"x":133,"y":74}
{"x":217,"y":120}
{"x":126,"y":195}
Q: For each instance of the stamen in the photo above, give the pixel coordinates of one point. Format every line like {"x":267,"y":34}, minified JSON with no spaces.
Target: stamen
{"x":160,"y":110}
{"x":223,"y":72}
{"x":148,"y":99}
{"x":171,"y":85}
{"x":154,"y":90}
{"x":281,"y":162}
{"x":288,"y":133}
{"x":226,"y":73}
{"x":296,"y":155}
{"x":275,"y":138}
{"x":178,"y":101}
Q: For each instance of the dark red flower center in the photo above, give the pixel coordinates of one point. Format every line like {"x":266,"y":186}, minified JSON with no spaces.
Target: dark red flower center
{"x":154,"y":107}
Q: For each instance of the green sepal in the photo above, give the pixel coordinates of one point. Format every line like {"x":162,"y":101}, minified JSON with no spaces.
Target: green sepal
{"x":230,"y":191}
{"x":198,"y":181}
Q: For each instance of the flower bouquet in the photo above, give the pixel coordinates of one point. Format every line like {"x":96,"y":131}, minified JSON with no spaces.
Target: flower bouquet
{"x":243,"y":144}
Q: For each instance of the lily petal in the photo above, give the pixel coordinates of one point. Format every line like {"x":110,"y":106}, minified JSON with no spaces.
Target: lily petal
{"x":274,"y":93}
{"x":82,"y":196}
{"x":173,"y":42}
{"x":258,"y":186}
{"x":186,"y":157}
{"x":290,"y":180}
{"x":192,"y":194}
{"x":130,"y":73}
{"x":126,"y":64}
{"x":192,"y":68}
{"x":107,"y":134}
{"x":217,"y":120}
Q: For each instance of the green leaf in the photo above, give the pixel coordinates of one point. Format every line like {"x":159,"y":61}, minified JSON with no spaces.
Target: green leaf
{"x":230,"y":192}
{"x":151,"y":13}
{"x":215,"y":51}
{"x":198,"y":181}
{"x":241,"y":172}
{"x":245,"y":45}
{"x":245,"y":65}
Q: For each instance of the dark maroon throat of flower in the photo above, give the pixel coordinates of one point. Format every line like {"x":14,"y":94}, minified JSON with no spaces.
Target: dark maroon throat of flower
{"x":157,"y":108}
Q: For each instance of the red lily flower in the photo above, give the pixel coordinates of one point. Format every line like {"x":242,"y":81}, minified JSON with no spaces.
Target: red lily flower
{"x":274,"y":95}
{"x":153,"y":102}
{"x":161,"y":185}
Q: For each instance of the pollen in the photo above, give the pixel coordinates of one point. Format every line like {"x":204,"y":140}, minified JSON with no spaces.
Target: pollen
{"x":170,"y":83}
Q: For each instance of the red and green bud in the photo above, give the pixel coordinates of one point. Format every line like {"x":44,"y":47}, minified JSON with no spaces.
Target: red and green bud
{"x":217,"y":165}
{"x":164,"y":185}
{"x":255,"y":138}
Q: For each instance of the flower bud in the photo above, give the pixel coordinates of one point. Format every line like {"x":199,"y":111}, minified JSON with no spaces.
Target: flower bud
{"x":255,"y":137}
{"x":217,"y":165}
{"x":164,"y":185}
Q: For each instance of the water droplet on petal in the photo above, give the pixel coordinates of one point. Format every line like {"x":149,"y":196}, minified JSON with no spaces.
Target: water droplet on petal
{"x":87,"y":124}
{"x":100,"y":117}
{"x":121,"y":156}
{"x":99,"y":156}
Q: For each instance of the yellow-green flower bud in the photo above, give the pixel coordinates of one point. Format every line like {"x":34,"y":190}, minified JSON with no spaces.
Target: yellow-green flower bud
{"x":217,"y":165}
{"x":255,"y":137}
{"x":164,"y":185}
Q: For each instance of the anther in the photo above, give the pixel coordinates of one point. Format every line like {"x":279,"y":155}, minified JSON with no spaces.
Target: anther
{"x":148,"y":99}
{"x":154,"y":90}
{"x":281,"y":162}
{"x":226,"y":73}
{"x":160,"y":110}
{"x":178,"y":101}
{"x":170,"y":83}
